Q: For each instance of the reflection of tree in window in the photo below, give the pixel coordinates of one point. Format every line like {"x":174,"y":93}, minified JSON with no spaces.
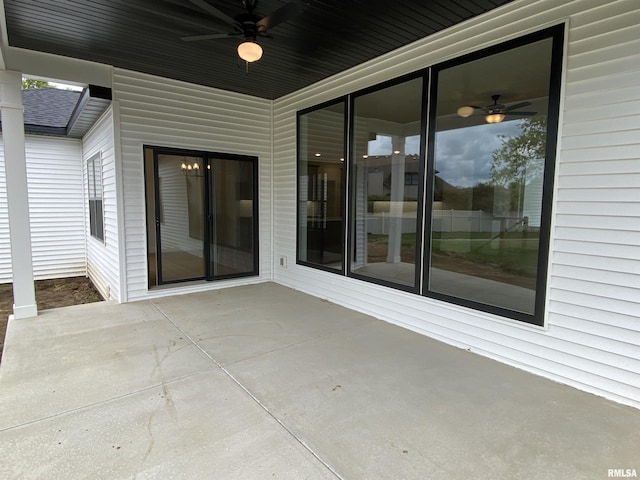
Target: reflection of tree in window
{"x":493,"y":222}
{"x":518,"y":165}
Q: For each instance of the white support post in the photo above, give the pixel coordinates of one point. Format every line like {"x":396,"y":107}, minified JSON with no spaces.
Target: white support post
{"x":397,"y":200}
{"x":11,"y":109}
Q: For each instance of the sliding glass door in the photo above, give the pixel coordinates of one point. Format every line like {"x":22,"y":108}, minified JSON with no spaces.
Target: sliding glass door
{"x":232,"y":239}
{"x":201,"y":215}
{"x":179,"y":201}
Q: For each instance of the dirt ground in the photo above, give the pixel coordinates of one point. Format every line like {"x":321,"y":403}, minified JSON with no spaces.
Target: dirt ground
{"x":60,"y":292}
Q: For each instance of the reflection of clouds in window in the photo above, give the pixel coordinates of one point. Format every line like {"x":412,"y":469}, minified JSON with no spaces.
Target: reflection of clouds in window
{"x":463,"y":156}
{"x":382,"y":145}
{"x":412,"y":145}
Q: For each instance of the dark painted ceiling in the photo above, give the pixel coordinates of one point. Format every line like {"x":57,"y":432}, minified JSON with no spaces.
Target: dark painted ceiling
{"x":327,"y":37}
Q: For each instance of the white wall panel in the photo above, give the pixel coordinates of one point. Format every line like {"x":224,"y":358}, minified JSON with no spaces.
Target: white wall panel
{"x":168,"y":113}
{"x":103,"y":257}
{"x":5,"y":242}
{"x":592,"y":333}
{"x":56,"y":211}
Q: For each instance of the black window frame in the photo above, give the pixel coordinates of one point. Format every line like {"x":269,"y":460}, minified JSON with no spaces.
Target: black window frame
{"x":426,"y":175}
{"x":343,"y":193}
{"x":556,"y":33}
{"x":95,"y":184}
{"x":208,"y":157}
{"x":416,"y":288}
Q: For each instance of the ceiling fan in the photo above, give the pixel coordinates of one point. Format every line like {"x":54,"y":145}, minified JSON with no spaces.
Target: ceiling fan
{"x":495,"y":112}
{"x":247,"y":25}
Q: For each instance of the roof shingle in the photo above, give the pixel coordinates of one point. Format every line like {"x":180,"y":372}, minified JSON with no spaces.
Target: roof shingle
{"x":49,"y":107}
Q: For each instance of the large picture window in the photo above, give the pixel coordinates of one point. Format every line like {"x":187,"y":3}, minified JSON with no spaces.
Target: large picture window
{"x":321,"y":160}
{"x":449,"y":191}
{"x":489,"y":163}
{"x":386,"y":143}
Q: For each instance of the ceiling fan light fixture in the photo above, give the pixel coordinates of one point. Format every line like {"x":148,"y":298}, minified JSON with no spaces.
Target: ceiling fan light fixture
{"x":465,"y":111}
{"x":249,"y":51}
{"x":494,"y":117}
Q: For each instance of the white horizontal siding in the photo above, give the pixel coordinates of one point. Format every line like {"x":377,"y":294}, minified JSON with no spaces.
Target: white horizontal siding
{"x":103,"y":263}
{"x":56,"y":212}
{"x":5,"y":242}
{"x":592,"y":333}
{"x":162,"y":112}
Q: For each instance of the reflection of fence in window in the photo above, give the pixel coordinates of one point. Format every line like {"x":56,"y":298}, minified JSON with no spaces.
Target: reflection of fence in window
{"x":379,"y":215}
{"x":477,"y":221}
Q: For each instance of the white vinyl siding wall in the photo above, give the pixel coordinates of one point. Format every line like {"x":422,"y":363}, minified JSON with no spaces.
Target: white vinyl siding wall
{"x":162,"y":112}
{"x":592,"y":327}
{"x":56,"y":210}
{"x":103,"y":263}
{"x":5,"y":242}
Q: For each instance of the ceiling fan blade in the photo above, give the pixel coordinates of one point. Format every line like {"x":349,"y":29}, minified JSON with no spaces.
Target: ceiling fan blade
{"x":210,"y":36}
{"x":300,"y":45}
{"x":207,"y":7}
{"x":518,"y":105}
{"x":283,"y":14}
{"x":521,"y":113}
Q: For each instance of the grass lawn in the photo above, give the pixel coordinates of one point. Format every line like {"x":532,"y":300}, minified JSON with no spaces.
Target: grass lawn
{"x":512,"y":252}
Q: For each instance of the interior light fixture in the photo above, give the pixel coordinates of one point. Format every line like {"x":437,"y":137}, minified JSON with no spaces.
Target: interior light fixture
{"x":494,"y":117}
{"x":396,"y":152}
{"x":191,"y":169}
{"x":249,"y":51}
{"x":318,"y":154}
{"x":465,"y":111}
{"x":365,"y":156}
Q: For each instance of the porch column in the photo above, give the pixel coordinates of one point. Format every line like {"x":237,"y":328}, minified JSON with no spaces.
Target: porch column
{"x":397,"y":199}
{"x":11,"y":109}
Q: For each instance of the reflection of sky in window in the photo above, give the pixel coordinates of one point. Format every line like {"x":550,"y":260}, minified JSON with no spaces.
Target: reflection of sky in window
{"x":463,"y":155}
{"x":412,"y":145}
{"x":383,"y":145}
{"x":380,"y":146}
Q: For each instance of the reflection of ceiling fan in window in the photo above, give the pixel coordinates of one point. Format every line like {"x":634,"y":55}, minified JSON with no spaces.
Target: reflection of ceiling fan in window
{"x":495,"y":112}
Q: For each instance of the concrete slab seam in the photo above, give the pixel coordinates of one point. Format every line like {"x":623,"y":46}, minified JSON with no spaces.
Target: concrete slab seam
{"x":297,"y":344}
{"x":252,"y":396}
{"x":98,"y":404}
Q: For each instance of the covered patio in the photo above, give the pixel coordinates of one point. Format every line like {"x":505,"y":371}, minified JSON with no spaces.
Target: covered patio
{"x":261,"y":381}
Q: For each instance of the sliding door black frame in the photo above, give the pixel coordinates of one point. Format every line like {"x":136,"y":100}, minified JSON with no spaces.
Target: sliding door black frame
{"x":208,"y":159}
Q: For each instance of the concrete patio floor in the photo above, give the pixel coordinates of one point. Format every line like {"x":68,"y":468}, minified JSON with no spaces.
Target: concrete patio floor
{"x":264,"y":382}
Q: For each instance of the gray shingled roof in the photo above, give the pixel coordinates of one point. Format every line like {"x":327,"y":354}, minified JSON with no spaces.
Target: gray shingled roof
{"x":67,"y":113}
{"x":49,"y":107}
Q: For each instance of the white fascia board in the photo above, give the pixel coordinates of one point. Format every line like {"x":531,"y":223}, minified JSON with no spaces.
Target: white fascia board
{"x":57,"y":67}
